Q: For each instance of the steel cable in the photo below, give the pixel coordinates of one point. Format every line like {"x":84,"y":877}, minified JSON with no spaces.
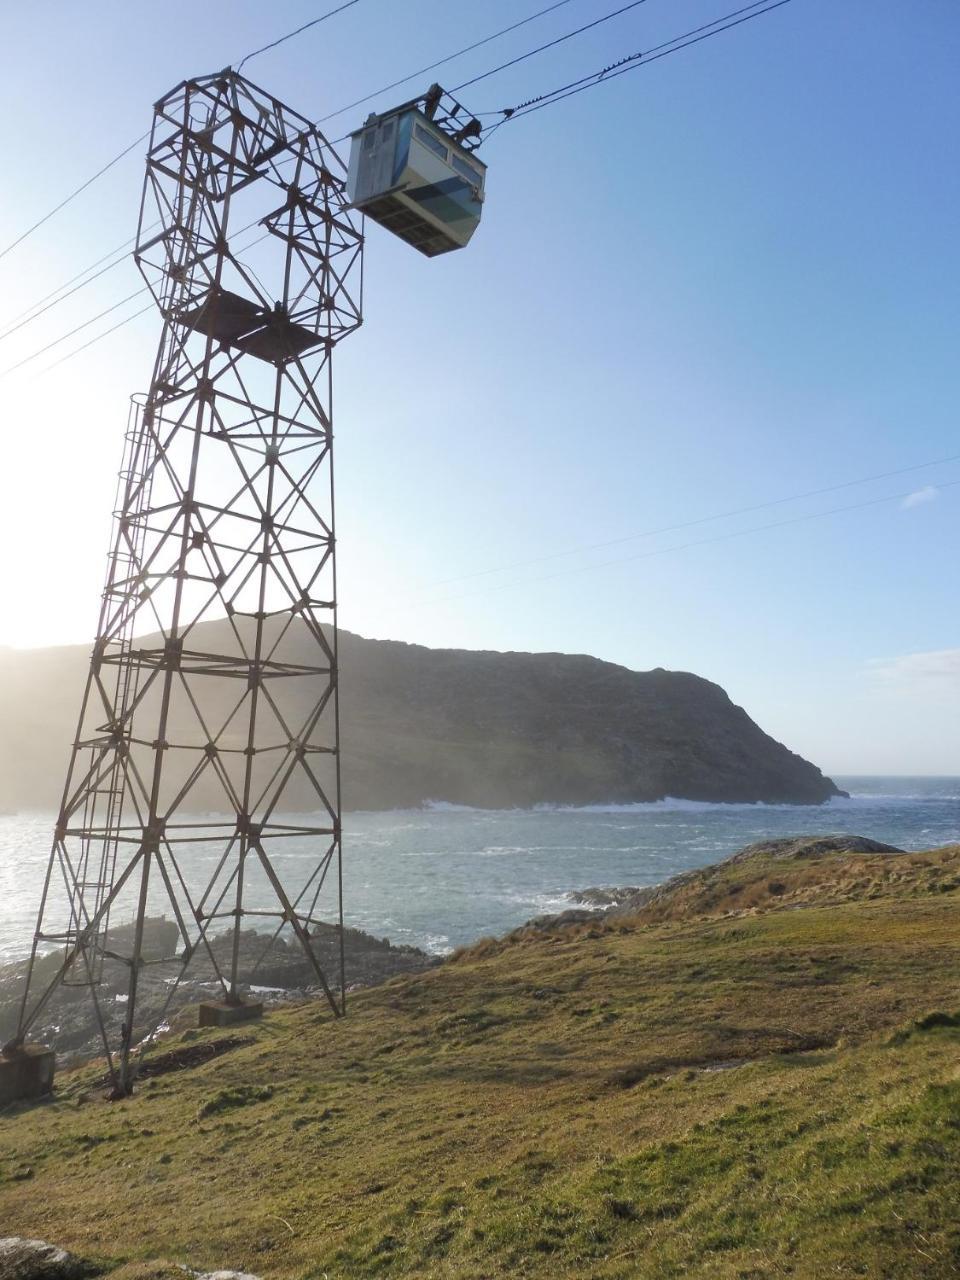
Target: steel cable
{"x":636,"y":60}
{"x":629,"y":63}
{"x":144,"y":136}
{"x":330,"y":116}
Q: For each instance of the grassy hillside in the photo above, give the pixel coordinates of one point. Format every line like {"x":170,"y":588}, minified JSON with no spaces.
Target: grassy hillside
{"x":764,"y":1092}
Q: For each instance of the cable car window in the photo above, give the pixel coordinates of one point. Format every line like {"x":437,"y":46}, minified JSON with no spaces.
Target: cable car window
{"x":427,"y":138}
{"x":466,"y":170}
{"x":368,"y":139}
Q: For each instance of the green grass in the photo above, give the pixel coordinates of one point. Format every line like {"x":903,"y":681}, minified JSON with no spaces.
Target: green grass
{"x":769,"y":1094}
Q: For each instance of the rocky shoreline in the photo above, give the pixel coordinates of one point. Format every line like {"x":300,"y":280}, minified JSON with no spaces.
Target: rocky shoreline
{"x":284,"y":975}
{"x":718,"y":888}
{"x":738,"y":883}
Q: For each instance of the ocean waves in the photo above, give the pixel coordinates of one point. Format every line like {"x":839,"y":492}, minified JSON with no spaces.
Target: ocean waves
{"x":440,"y":877}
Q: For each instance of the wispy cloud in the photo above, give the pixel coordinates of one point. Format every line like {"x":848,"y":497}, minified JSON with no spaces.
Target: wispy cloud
{"x":942,"y":665}
{"x":920,"y":497}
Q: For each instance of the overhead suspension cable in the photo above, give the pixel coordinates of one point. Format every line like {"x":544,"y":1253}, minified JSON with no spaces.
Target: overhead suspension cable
{"x":549,"y":45}
{"x":736,"y":18}
{"x":290,"y":34}
{"x":99,"y":316}
{"x":64,"y":336}
{"x":477,"y":44}
{"x":701,"y":520}
{"x":631,"y":58}
{"x":686,"y":546}
{"x":144,"y":136}
{"x":67,"y":283}
{"x":106,"y":333}
{"x":639,"y":59}
{"x":73,"y":195}
{"x":432,"y":66}
{"x":38,"y":310}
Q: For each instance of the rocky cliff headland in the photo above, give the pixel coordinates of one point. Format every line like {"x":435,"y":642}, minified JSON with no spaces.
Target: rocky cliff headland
{"x":493,"y":730}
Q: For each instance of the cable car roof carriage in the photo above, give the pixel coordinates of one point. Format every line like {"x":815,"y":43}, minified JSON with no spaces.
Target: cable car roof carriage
{"x":413,"y":170}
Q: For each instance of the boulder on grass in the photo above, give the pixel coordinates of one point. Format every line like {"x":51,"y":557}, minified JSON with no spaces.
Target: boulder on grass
{"x":22,"y":1259}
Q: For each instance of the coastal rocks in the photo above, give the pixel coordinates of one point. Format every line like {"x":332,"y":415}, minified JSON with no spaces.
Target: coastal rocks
{"x":716,"y":888}
{"x":792,"y":872}
{"x":589,"y":905}
{"x":811,"y":847}
{"x":562,"y":919}
{"x":599,"y":898}
{"x":22,"y":1259}
{"x":284,"y":974}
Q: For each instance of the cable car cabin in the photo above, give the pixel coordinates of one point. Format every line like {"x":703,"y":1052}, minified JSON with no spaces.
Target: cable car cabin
{"x":416,"y":180}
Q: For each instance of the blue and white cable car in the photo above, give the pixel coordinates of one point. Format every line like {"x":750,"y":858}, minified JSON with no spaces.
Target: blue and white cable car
{"x":413,"y":171}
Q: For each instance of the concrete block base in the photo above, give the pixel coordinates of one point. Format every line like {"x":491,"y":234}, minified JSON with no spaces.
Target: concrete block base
{"x":222,"y":1014}
{"x":26,"y":1072}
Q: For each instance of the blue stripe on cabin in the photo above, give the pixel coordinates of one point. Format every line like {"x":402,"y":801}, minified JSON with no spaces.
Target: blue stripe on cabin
{"x":451,"y":200}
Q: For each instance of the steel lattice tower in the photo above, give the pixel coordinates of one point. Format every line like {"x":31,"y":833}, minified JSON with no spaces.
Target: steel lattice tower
{"x":225,"y":511}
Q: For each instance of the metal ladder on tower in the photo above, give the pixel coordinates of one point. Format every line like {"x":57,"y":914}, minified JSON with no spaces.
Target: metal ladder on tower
{"x":104,"y":805}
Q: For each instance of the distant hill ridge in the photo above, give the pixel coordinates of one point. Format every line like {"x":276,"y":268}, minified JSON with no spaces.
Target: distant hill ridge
{"x":481,"y":728}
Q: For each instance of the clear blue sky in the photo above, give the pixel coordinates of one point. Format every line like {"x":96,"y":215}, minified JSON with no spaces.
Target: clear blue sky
{"x":726,"y":278}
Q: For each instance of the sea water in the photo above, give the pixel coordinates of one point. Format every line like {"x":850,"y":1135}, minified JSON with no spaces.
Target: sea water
{"x":442,"y":876}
